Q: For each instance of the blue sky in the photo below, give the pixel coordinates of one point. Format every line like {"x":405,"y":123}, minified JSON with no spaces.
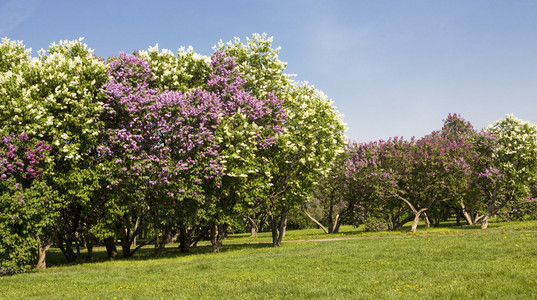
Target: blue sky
{"x":393,"y":68}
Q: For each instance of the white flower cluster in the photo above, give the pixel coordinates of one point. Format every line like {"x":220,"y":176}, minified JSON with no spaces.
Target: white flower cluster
{"x":517,"y":152}
{"x":170,"y":71}
{"x":54,"y":93}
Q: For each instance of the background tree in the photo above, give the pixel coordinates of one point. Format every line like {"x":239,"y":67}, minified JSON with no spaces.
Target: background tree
{"x":26,"y":203}
{"x":511,"y":174}
{"x":67,"y":84}
{"x":373,"y":172}
{"x":54,"y":98}
{"x":312,"y":135}
{"x":329,"y":197}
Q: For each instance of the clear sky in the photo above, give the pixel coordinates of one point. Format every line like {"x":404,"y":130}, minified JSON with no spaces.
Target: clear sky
{"x":393,"y":68}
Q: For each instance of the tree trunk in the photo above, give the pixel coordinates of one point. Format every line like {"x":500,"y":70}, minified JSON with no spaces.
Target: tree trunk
{"x":254,"y":229}
{"x":330,"y":214}
{"x":493,"y":208}
{"x":217,"y":236}
{"x":398,"y":225}
{"x":283,"y":225}
{"x":417,"y":219}
{"x":488,"y":213}
{"x":160,"y":242}
{"x":184,"y":239}
{"x":417,"y":213}
{"x":77,"y":244}
{"x":111,"y":249}
{"x":136,"y":230}
{"x":278,"y":225}
{"x":42,"y":249}
{"x":334,"y":227}
{"x":126,"y":245}
{"x":129,"y":234}
{"x":89,"y":248}
{"x":315,"y":221}
{"x":66,"y":246}
{"x":427,"y":221}
{"x":467,"y":215}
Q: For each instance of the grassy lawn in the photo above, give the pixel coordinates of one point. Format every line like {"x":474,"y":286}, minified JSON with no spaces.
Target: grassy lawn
{"x":448,"y":263}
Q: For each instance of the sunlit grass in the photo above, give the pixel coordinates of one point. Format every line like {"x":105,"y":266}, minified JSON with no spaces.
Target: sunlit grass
{"x":445,"y":262}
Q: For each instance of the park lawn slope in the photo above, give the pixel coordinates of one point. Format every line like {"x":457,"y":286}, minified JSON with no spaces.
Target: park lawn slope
{"x":451,"y":262}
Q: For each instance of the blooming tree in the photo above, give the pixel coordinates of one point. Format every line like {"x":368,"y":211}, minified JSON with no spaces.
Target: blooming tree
{"x":435,"y":173}
{"x":312,"y":135}
{"x":25,"y":203}
{"x":54,"y":98}
{"x":329,"y":195}
{"x":373,"y":172}
{"x":158,"y":148}
{"x":511,"y":174}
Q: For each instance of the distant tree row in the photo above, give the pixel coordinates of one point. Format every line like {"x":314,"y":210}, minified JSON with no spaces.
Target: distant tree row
{"x":152,"y":145}
{"x":456,"y":171}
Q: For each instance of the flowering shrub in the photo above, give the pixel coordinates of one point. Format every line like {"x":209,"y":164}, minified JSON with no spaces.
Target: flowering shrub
{"x":55,"y":98}
{"x":513,"y":169}
{"x":25,"y":201}
{"x":168,"y":150}
{"x":311,"y":137}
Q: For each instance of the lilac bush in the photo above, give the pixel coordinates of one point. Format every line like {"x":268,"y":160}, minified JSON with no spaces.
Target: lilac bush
{"x":399,"y":181}
{"x":166,"y":153}
{"x":25,"y":202}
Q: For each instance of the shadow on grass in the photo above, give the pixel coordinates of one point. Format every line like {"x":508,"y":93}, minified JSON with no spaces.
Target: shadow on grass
{"x":55,"y":257}
{"x":236,"y":242}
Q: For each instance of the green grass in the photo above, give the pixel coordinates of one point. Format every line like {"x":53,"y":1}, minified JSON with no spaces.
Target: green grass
{"x":448,"y":263}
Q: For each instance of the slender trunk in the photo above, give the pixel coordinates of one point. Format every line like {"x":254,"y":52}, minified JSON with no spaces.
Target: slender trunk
{"x":417,"y":219}
{"x":194,"y":241}
{"x":129,"y":234}
{"x":315,"y":221}
{"x":283,"y":228}
{"x":126,"y":244}
{"x":467,"y":215}
{"x":427,"y":221}
{"x":417,"y":213}
{"x":334,"y":227}
{"x":160,"y":242}
{"x":491,"y":209}
{"x":217,"y":236}
{"x":71,"y":255}
{"x":254,"y":229}
{"x":90,"y":257}
{"x":42,"y":249}
{"x":399,"y":224}
{"x":111,"y":249}
{"x":66,"y":248}
{"x":89,"y":248}
{"x":330,"y":214}
{"x":184,"y":239}
{"x":77,"y":244}
{"x":274,"y":229}
{"x":485,"y":222}
{"x":136,"y":229}
{"x":278,"y":230}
